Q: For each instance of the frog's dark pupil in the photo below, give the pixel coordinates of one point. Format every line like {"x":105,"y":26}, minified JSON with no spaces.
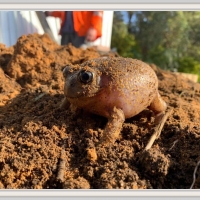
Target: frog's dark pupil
{"x":85,"y":76}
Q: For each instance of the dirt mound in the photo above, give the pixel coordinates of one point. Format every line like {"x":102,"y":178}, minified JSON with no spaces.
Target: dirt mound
{"x":39,"y":61}
{"x":43,"y":146}
{"x":8,"y":88}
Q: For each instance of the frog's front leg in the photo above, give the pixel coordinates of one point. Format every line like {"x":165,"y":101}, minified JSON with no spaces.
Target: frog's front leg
{"x":64,"y":104}
{"x":113,"y":126}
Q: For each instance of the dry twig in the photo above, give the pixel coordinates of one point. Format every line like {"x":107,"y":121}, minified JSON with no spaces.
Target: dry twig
{"x":158,"y":130}
{"x":173,"y":145}
{"x":39,"y":96}
{"x":194,"y":175}
{"x":61,"y":167}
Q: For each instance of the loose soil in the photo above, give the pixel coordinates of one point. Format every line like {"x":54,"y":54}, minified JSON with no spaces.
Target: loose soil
{"x":44,"y":147}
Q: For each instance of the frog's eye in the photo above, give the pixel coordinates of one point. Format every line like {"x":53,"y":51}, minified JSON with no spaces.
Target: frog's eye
{"x":85,"y":76}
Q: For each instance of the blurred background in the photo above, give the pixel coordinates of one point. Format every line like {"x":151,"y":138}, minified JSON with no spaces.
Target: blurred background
{"x":13,"y":24}
{"x":169,"y":39}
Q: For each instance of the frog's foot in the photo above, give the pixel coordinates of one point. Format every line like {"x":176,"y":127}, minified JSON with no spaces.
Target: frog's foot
{"x":158,"y":106}
{"x":113,"y":127}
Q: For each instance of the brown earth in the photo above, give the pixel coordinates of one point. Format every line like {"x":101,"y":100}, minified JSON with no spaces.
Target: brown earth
{"x":42,"y":146}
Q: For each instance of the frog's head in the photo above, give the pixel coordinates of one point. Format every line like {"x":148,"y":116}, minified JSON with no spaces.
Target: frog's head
{"x":81,"y":81}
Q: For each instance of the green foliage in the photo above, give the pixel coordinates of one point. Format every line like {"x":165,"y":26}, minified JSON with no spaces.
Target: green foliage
{"x":158,"y":55}
{"x":161,"y":36}
{"x":121,"y":39}
{"x":189,"y":65}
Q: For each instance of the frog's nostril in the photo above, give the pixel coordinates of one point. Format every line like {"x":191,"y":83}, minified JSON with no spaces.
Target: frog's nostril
{"x":66,"y":70}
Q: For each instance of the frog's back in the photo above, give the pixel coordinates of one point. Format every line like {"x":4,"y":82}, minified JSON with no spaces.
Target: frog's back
{"x":125,"y":72}
{"x":117,"y":66}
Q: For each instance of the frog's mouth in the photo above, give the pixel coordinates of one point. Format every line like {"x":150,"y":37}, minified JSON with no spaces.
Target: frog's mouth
{"x":85,"y":94}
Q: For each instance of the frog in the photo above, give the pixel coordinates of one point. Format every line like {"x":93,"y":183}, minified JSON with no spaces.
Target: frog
{"x":116,"y":88}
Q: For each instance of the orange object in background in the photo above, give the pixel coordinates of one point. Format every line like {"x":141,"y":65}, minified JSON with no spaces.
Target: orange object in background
{"x":83,"y":20}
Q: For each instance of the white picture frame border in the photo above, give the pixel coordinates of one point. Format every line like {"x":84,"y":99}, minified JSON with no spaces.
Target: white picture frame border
{"x":116,"y":5}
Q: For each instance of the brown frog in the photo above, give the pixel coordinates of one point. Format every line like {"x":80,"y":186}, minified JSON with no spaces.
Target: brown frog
{"x":116,"y":88}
